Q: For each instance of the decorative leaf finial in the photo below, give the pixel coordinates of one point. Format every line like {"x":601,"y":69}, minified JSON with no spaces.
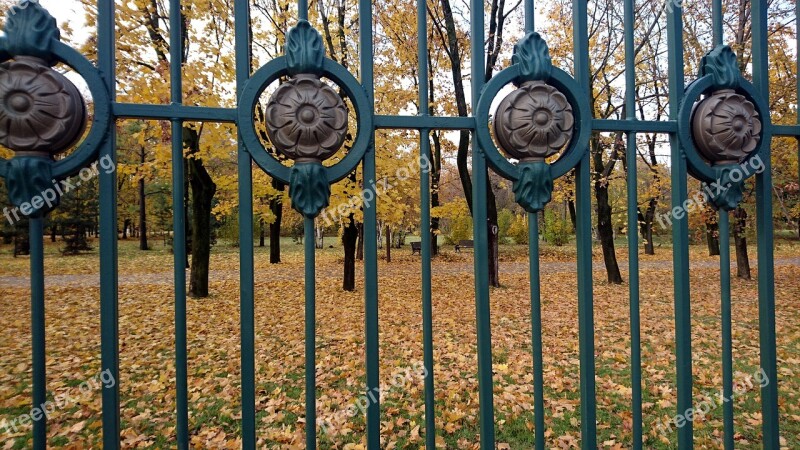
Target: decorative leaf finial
{"x":533,"y":56}
{"x":304,"y":49}
{"x":721,"y":64}
{"x":534,"y":188}
{"x":309,"y":188}
{"x":30,"y":31}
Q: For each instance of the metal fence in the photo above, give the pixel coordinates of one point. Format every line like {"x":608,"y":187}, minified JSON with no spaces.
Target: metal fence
{"x":32,"y":45}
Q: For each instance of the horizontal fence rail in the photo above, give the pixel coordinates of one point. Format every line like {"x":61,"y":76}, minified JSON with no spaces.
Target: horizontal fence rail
{"x":531,"y":171}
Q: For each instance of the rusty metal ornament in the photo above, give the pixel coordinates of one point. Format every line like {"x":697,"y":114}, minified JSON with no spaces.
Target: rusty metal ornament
{"x":41,"y":111}
{"x":533,"y":122}
{"x":306,"y":119}
{"x":725,"y":127}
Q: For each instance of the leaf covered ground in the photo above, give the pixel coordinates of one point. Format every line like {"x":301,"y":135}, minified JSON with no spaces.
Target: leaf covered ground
{"x":147,"y":375}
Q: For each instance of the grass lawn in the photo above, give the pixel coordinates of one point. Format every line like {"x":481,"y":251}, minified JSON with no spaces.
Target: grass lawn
{"x":147,"y":375}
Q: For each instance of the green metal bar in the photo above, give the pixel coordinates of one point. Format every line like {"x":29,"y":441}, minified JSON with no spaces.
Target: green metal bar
{"x":633,"y":230}
{"x":424,"y":121}
{"x":246,"y":278}
{"x":109,"y":294}
{"x":179,"y":230}
{"x":425,"y":225}
{"x":173,"y":111}
{"x":680,"y":231}
{"x":311,"y":337}
{"x":766,"y":262}
{"x":481,"y":237}
{"x":786,"y":130}
{"x":727,"y":350}
{"x":36,"y":236}
{"x":536,"y":330}
{"x":530,"y":14}
{"x":716,"y":22}
{"x":427,"y":307}
{"x":302,"y":9}
{"x":371,"y":328}
{"x":584,"y":242}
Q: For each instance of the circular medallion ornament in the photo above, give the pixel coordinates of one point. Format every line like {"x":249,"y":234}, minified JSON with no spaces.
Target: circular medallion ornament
{"x":306,"y":119}
{"x":41,"y":111}
{"x":533,"y":122}
{"x":726,"y":127}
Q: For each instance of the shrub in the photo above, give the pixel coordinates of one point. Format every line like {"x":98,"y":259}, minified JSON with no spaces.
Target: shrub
{"x":557,"y":230}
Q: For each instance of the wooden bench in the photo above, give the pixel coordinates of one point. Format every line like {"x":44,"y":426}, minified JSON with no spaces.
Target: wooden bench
{"x":416,"y":247}
{"x":464,"y":244}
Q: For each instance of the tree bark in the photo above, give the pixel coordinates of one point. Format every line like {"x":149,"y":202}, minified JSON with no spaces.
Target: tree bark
{"x":388,"y":244}
{"x":646,"y":225}
{"x":360,"y":242}
{"x":276,"y":207}
{"x":202,"y":192}
{"x":349,"y":237}
{"x":53,"y":234}
{"x":740,"y":242}
{"x":142,"y":207}
{"x":712,"y":238}
{"x":261,"y":232}
{"x":605,"y":228}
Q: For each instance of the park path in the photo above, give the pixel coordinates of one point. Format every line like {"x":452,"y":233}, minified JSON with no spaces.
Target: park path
{"x":286,"y":272}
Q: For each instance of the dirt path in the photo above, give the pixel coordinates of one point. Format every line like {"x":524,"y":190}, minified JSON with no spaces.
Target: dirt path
{"x":286,"y":272}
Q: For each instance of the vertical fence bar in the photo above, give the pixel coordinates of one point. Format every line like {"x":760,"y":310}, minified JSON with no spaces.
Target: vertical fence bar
{"x":109,"y":306}
{"x":633,"y":229}
{"x":536,"y":329}
{"x":246,"y":278}
{"x":680,"y":230}
{"x":425,"y":224}
{"x":481,"y":237}
{"x":716,"y":21}
{"x":530,"y":12}
{"x":179,"y":228}
{"x":727,"y":351}
{"x":39,"y":363}
{"x":311,"y":337}
{"x":584,"y":243}
{"x":766,"y":263}
{"x":370,"y":238}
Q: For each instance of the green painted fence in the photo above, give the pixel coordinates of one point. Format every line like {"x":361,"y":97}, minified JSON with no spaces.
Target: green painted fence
{"x":308,"y":179}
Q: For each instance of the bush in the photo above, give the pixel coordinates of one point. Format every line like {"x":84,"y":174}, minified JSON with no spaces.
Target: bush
{"x":557,"y":230}
{"x":518,"y":230}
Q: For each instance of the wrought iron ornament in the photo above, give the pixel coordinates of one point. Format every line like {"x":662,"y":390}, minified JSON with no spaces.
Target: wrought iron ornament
{"x":306,"y":120}
{"x":41,"y":111}
{"x":533,"y":122}
{"x":726,"y":127}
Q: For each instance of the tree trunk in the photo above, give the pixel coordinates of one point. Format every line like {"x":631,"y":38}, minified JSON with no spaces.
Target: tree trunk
{"x":360,"y":242}
{"x":572,"y":215}
{"x":125,"y":225}
{"x":646,"y":225}
{"x":53,"y":233}
{"x":203,"y":190}
{"x":276,"y":206}
{"x":142,"y":210}
{"x":740,"y":242}
{"x":712,"y":238}
{"x":349,"y":237}
{"x":388,"y":244}
{"x":261,"y":232}
{"x":605,"y":228}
